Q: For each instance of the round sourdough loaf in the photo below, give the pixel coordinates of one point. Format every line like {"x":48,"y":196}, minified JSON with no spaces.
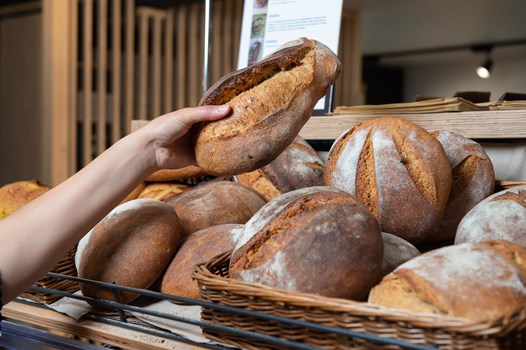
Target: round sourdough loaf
{"x":396,"y":252}
{"x":14,"y":195}
{"x":315,"y":240}
{"x":398,"y":170}
{"x":298,"y":166}
{"x":480,"y":281}
{"x":130,"y":247}
{"x":500,"y":216}
{"x":197,"y":248}
{"x":213,"y":203}
{"x":271,"y":100}
{"x":473,"y":179}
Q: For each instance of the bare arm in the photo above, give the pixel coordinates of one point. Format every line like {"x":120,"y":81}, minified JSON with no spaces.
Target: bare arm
{"x":38,"y":235}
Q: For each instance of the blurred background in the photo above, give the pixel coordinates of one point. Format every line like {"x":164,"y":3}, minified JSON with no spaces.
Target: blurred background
{"x":74,"y":73}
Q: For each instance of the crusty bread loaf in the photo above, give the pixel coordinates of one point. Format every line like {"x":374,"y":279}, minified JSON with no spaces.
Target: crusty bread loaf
{"x":298,"y":166}
{"x":213,"y":203}
{"x":14,"y":195}
{"x":315,"y":240}
{"x":131,"y":246}
{"x":480,"y":281}
{"x":197,"y":248}
{"x":175,"y":174}
{"x":135,"y":192}
{"x":398,"y":170}
{"x":396,"y":252}
{"x":473,"y":179}
{"x":163,"y":190}
{"x":271,"y":101}
{"x":500,"y":216}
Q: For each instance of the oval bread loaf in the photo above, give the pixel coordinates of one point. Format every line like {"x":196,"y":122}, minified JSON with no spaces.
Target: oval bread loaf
{"x":271,"y":101}
{"x":16,"y":194}
{"x":398,"y":170}
{"x":396,"y":252}
{"x":130,"y":247}
{"x":480,"y":281}
{"x":315,"y":240}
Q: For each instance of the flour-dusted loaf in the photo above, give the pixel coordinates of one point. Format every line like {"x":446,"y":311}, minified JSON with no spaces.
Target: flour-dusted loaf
{"x":197,"y":248}
{"x":131,"y":246}
{"x":480,"y":281}
{"x":271,"y":101}
{"x":473,"y":179}
{"x":316,"y":240}
{"x":396,"y":252}
{"x":298,"y":166}
{"x":215,"y":202}
{"x":398,"y":170}
{"x":500,"y":216}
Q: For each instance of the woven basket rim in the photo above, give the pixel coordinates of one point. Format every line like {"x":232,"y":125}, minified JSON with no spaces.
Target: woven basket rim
{"x":209,"y":280}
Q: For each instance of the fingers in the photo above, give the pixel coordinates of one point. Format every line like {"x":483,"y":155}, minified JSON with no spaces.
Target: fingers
{"x":190,"y":116}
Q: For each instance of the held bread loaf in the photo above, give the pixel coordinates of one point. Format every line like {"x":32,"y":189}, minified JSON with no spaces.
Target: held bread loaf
{"x":197,"y":248}
{"x":500,"y":216}
{"x":14,"y":195}
{"x":271,"y":101}
{"x":398,"y":170}
{"x":298,"y":166}
{"x":131,"y":246}
{"x":480,"y":281}
{"x":315,"y":240}
{"x":213,"y":203}
{"x":473,"y":179}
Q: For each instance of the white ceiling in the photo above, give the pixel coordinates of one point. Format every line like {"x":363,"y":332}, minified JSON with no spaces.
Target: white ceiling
{"x":401,"y":25}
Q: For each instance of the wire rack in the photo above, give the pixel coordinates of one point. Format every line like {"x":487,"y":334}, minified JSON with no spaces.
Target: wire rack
{"x":121,"y":317}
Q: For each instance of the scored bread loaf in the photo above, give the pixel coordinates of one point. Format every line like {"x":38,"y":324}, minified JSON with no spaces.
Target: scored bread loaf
{"x":130,"y":247}
{"x":480,"y":281}
{"x":398,"y":170}
{"x":197,"y":248}
{"x":473,"y":179}
{"x":271,"y":100}
{"x":315,"y":240}
{"x":500,"y":216}
{"x":213,"y":203}
{"x":298,"y":166}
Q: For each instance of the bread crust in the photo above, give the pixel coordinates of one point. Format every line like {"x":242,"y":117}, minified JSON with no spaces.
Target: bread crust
{"x":271,"y":101}
{"x":16,"y":194}
{"x":397,"y":170}
{"x":315,"y":240}
{"x":175,"y":174}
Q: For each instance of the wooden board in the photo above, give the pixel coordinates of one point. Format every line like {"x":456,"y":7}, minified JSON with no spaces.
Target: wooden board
{"x":57,"y":323}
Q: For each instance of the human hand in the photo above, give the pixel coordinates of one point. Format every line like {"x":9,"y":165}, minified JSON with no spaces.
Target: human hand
{"x":171,"y":140}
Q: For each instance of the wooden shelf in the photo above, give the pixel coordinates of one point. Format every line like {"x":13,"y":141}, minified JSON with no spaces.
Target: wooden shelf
{"x":504,"y":124}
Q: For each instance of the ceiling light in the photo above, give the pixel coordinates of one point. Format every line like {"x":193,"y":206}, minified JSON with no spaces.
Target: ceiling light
{"x":484,"y":70}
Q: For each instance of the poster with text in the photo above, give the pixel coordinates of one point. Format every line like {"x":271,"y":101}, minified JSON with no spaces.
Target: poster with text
{"x":268,"y":24}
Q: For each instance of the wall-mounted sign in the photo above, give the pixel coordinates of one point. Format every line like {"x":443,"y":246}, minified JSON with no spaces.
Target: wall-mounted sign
{"x":267,"y":24}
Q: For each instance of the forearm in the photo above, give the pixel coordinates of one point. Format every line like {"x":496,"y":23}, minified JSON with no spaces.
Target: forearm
{"x":60,"y":217}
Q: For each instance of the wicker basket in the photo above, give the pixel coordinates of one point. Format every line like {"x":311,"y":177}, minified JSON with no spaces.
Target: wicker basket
{"x":66,"y":266}
{"x":425,"y":329}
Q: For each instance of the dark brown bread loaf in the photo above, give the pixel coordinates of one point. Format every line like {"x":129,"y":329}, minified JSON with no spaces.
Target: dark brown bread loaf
{"x":315,"y":240}
{"x":473,"y":179}
{"x":213,"y":203}
{"x":500,"y":216}
{"x":197,"y":248}
{"x":298,"y":166}
{"x":480,"y":281}
{"x":398,"y":170}
{"x":271,"y":101}
{"x":396,"y":252}
{"x":131,"y":246}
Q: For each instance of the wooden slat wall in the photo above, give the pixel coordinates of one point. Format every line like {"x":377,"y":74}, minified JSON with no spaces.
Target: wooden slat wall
{"x":148,"y":61}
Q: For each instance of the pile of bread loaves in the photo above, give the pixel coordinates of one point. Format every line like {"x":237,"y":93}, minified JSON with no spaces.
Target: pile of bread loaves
{"x":396,"y":215}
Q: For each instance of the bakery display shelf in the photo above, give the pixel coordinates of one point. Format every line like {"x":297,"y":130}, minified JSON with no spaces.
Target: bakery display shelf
{"x":123,"y":317}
